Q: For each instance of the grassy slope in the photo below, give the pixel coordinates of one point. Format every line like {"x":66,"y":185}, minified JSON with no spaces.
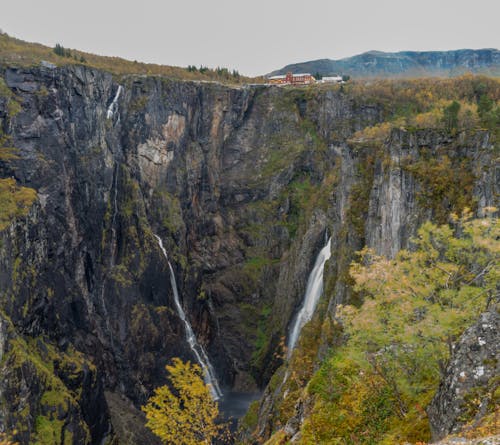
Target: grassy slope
{"x":16,"y":52}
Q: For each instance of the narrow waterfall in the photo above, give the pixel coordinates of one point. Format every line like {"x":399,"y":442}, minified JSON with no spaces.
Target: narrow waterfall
{"x":198,"y":351}
{"x":313,"y":293}
{"x":112,"y":107}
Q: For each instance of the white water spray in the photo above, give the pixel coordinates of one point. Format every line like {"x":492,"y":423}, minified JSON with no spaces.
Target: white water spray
{"x":114,"y":105}
{"x":198,"y":351}
{"x":313,"y":293}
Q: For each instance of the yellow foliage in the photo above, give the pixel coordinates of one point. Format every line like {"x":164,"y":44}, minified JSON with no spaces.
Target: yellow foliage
{"x":278,"y":438}
{"x":15,"y":201}
{"x":4,"y":440}
{"x":377,"y":133}
{"x":429,"y":119}
{"x":18,"y":52}
{"x":8,"y":154}
{"x":375,"y":388}
{"x":185,"y":415}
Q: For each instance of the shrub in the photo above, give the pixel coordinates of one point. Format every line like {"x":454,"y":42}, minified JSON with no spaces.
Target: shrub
{"x":375,"y":388}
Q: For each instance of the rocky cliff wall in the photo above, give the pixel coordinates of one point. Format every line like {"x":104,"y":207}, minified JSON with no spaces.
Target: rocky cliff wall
{"x":240,"y":183}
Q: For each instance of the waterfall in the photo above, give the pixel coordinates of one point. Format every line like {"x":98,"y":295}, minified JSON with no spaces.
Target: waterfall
{"x":113,"y":106}
{"x":198,"y":351}
{"x":313,"y":293}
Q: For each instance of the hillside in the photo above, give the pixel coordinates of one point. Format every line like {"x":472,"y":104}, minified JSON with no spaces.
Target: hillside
{"x":16,"y":52}
{"x":408,"y":64}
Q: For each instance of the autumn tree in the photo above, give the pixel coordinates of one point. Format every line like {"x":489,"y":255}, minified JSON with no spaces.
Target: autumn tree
{"x":451,"y":116}
{"x":376,"y":387}
{"x":4,"y":440}
{"x":183,"y":413}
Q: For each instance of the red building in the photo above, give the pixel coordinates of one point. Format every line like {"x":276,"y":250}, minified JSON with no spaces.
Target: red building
{"x":292,"y":79}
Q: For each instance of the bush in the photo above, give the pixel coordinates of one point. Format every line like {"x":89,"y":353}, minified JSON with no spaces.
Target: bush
{"x":376,"y":387}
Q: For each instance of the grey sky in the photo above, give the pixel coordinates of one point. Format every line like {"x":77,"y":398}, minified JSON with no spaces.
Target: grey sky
{"x":254,"y":37}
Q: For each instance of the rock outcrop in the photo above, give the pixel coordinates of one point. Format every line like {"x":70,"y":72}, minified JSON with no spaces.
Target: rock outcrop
{"x":467,"y":391}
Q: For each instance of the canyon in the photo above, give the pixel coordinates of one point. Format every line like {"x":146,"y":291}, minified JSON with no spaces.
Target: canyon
{"x":167,"y":209}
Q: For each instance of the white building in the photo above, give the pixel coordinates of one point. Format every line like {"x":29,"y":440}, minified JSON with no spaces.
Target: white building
{"x":332,"y":79}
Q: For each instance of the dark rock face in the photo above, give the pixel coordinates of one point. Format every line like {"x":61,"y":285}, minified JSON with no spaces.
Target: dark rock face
{"x":240,"y":183}
{"x":470,"y":379}
{"x":405,"y":64}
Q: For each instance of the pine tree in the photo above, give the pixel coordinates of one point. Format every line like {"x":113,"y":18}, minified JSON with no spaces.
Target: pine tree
{"x":59,"y":50}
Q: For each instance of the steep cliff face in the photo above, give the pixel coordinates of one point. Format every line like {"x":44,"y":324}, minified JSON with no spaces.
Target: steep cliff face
{"x":241,"y":185}
{"x":470,"y":386}
{"x":382,"y":196}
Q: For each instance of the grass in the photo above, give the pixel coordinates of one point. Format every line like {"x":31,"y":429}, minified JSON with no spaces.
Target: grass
{"x":16,"y":52}
{"x":41,"y":357}
{"x":15,"y":200}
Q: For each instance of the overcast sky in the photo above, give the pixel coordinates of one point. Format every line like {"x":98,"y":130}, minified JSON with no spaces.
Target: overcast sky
{"x":252,"y":36}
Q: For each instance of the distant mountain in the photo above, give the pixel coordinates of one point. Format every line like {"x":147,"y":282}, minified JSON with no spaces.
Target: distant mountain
{"x":405,"y":64}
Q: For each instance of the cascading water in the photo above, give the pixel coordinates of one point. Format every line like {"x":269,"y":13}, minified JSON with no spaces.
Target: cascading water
{"x":112,"y":107}
{"x":313,"y":293}
{"x":198,"y":351}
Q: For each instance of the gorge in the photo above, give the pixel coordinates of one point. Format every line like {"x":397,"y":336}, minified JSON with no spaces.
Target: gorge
{"x":239,"y":184}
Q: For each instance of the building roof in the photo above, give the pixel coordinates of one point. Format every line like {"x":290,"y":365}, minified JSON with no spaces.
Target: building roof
{"x":283,"y":76}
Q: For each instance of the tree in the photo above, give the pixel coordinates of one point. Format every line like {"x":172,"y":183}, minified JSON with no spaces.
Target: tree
{"x":59,"y":50}
{"x":4,"y":440}
{"x":484,"y":105}
{"x":451,"y":116}
{"x":375,"y":387}
{"x":184,"y":414}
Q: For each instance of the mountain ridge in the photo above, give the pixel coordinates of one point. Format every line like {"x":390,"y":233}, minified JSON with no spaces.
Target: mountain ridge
{"x":376,"y":63}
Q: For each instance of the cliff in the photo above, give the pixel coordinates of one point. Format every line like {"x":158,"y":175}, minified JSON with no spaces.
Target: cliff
{"x":240,"y":183}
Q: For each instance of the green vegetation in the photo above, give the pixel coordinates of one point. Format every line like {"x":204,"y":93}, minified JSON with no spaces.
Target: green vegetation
{"x":450,"y":116}
{"x":137,"y":239}
{"x":261,"y":342}
{"x":16,"y":52}
{"x":46,"y":366}
{"x":167,"y":210}
{"x":463,"y":103}
{"x":374,"y":389}
{"x":63,"y":52}
{"x":13,"y":106}
{"x":5,"y":440}
{"x":446,"y":182}
{"x":15,"y":201}
{"x":249,"y":421}
{"x":48,"y":431}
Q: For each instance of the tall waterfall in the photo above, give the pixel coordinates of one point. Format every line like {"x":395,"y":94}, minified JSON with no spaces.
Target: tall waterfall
{"x":112,"y":107}
{"x":313,"y":293}
{"x":198,"y":351}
